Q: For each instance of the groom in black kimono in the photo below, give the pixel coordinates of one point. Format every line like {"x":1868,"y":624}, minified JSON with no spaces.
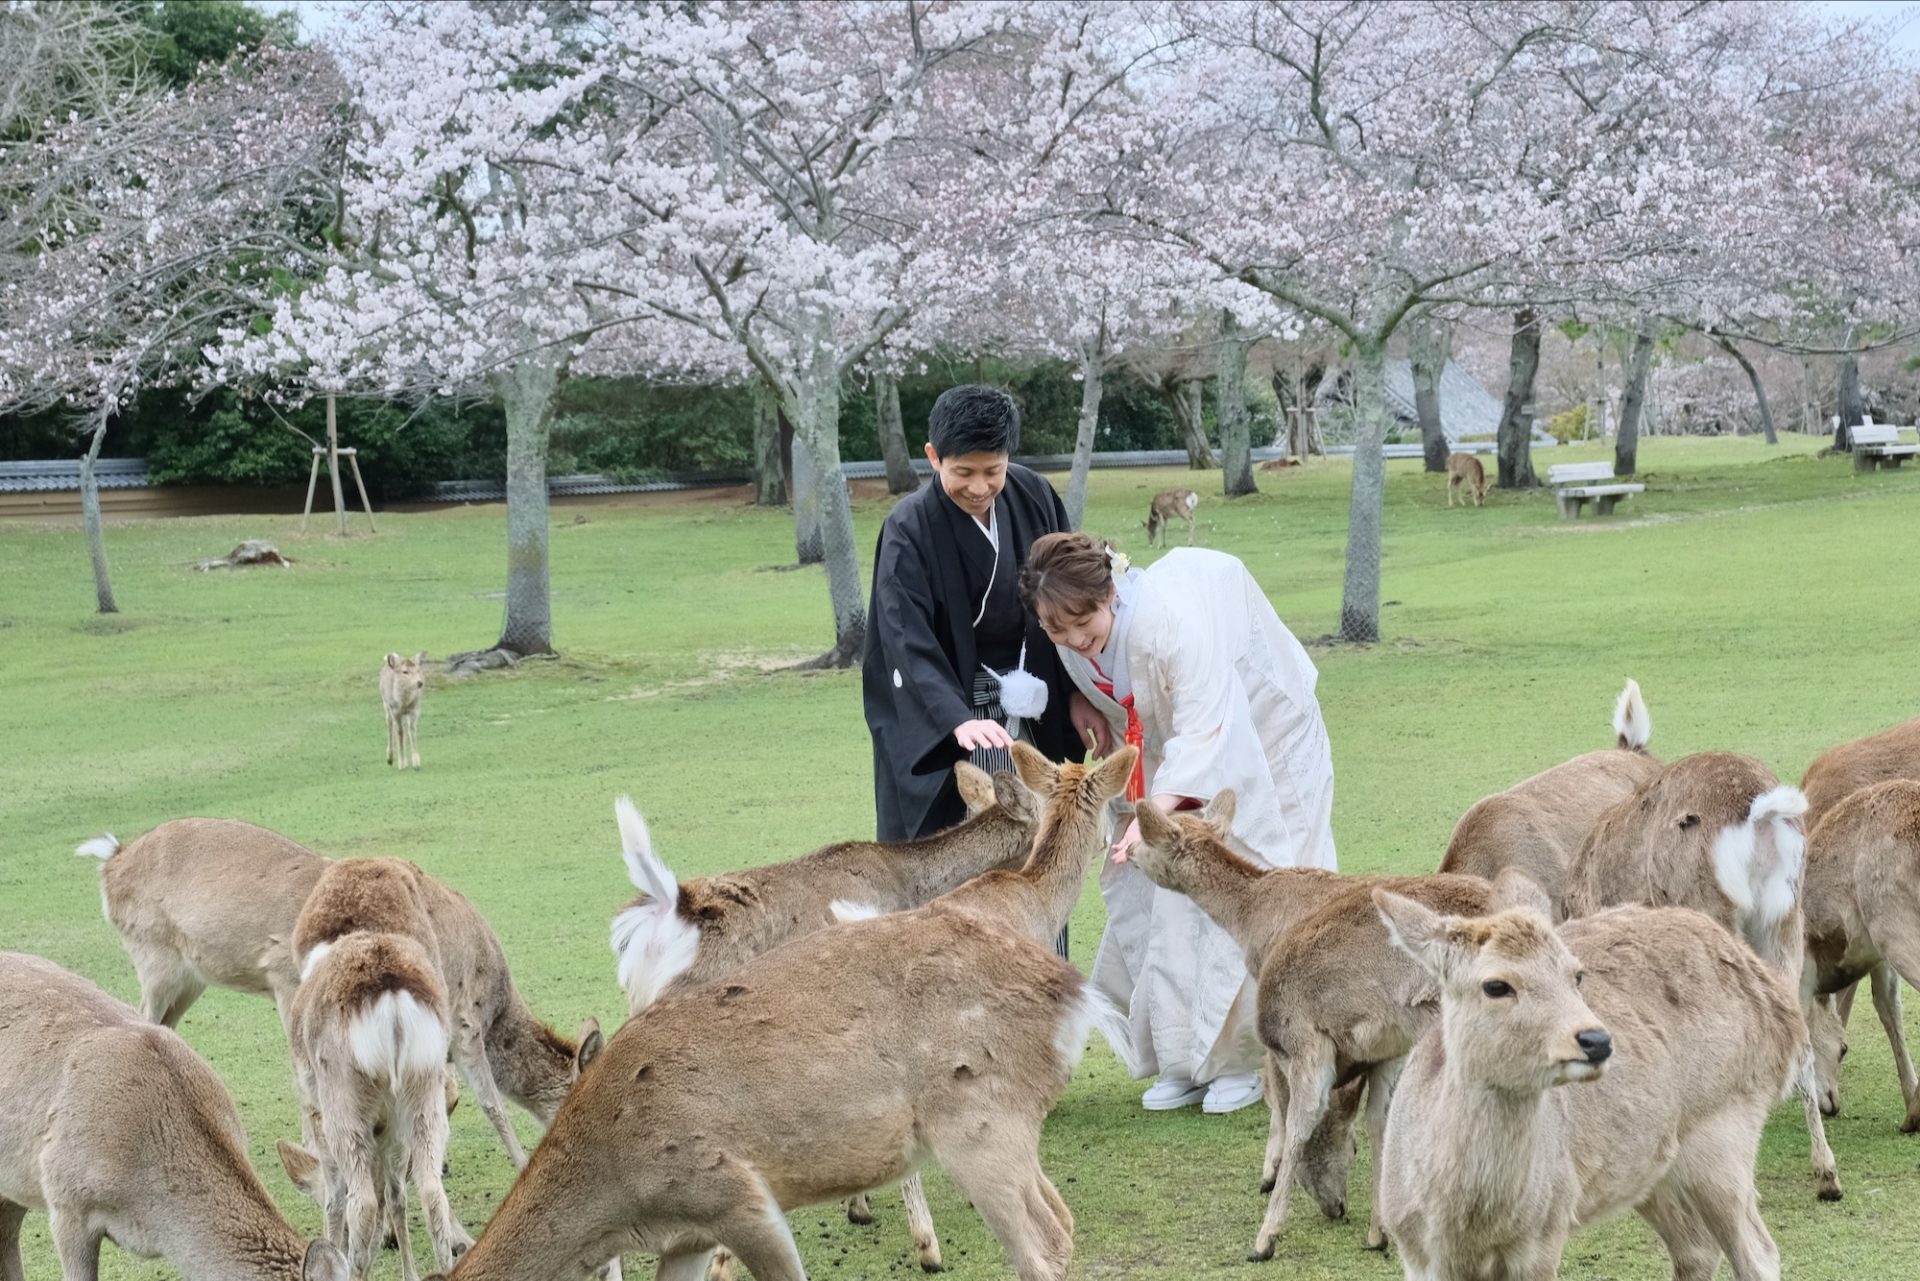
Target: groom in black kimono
{"x":945,"y":607}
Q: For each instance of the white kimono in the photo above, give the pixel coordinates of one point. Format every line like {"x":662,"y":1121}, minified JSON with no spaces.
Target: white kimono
{"x":1224,"y":694}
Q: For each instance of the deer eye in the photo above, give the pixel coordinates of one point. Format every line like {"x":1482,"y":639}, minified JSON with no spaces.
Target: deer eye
{"x":1843,"y":1049}
{"x":1496,"y":989}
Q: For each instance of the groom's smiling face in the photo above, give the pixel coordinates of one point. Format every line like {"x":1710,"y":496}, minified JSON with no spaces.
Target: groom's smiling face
{"x":972,"y":481}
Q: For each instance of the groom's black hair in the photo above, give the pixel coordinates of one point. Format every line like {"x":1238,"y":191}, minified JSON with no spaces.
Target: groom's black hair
{"x":973,"y":419}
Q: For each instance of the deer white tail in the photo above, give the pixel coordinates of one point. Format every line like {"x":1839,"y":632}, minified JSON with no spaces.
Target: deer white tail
{"x":1632,"y":723}
{"x":395,"y":1037}
{"x":102,"y":847}
{"x":1192,"y":501}
{"x":847,"y":910}
{"x":1763,"y":886}
{"x":1094,"y":1011}
{"x":653,"y":943}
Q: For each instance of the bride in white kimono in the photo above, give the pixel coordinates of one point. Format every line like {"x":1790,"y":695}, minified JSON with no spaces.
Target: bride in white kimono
{"x":1188,"y":660}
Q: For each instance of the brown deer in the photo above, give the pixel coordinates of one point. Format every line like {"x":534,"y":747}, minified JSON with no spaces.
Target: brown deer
{"x":1539,"y":824}
{"x":403,"y":682}
{"x":1464,"y":471}
{"x":677,"y":936}
{"x":494,"y":1040}
{"x":1715,"y":832}
{"x":1862,"y":908}
{"x":121,"y":1133}
{"x":370,"y":1028}
{"x":1168,"y":506}
{"x":206,"y":901}
{"x":806,"y":1076}
{"x":1335,"y":1005}
{"x":1490,"y":1169}
{"x":1840,"y":771}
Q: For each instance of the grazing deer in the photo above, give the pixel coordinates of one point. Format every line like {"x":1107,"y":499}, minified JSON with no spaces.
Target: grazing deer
{"x":676,"y":936}
{"x":370,"y":1027}
{"x":494,"y":1040}
{"x":402,"y":683}
{"x":1539,"y":824}
{"x":1715,"y":832}
{"x":1862,"y":908}
{"x":1490,"y":1169}
{"x":1168,"y":506}
{"x":1464,"y":471}
{"x":1335,"y":1005}
{"x":206,"y":901}
{"x":838,"y":1062}
{"x":121,"y":1133}
{"x":1840,"y":771}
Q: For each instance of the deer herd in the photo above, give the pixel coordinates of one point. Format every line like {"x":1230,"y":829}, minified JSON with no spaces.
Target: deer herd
{"x":1677,"y":943}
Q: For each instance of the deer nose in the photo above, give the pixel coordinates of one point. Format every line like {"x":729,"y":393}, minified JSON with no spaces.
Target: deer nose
{"x":1596,"y":1044}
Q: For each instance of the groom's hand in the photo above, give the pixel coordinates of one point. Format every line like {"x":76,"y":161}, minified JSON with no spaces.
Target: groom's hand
{"x":974,"y":735}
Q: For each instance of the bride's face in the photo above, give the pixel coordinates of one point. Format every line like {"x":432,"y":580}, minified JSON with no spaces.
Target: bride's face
{"x":1085,"y":634}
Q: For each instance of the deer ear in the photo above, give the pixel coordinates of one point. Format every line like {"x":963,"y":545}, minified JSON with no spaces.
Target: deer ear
{"x":1156,"y":829}
{"x":1015,"y":797}
{"x":1110,"y":776}
{"x":324,"y":1263}
{"x":591,"y":1043}
{"x":1219,"y":812}
{"x":976,"y":789}
{"x":420,"y":658}
{"x":301,"y":1167}
{"x":1036,"y":771}
{"x":1514,"y":890}
{"x":393,"y":660}
{"x":1417,"y":930}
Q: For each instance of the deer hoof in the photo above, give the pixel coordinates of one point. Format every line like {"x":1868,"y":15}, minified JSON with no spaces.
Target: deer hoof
{"x":1261,"y":1254}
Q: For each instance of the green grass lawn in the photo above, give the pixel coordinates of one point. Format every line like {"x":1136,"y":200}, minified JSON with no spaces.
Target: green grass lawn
{"x":1761,"y":597}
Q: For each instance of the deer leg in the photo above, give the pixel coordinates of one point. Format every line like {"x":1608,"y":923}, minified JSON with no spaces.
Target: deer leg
{"x":427,"y":1149}
{"x":169,"y":985}
{"x":363,"y":1219}
{"x":1722,"y":1192}
{"x":1886,"y":1003}
{"x":1310,"y":1076}
{"x":1276,"y":1092}
{"x":394,"y":1196}
{"x":926,"y":1243}
{"x":721,"y":1268}
{"x":470,"y":1053}
{"x":1018,"y":1204}
{"x":1380,"y":1083}
{"x":1825,"y":1173}
{"x":859,"y":1209}
{"x":393,"y":738}
{"x":11,"y":1216}
{"x":77,"y":1244}
{"x":413,"y":735}
{"x":1695,"y":1254}
{"x":755,"y":1229}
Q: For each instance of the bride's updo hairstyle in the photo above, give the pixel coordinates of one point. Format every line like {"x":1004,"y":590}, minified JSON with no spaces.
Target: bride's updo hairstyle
{"x":1066,"y":576}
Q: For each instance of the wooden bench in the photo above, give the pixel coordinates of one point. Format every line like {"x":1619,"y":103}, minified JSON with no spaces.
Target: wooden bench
{"x":1877,"y":445}
{"x":1575,"y":484}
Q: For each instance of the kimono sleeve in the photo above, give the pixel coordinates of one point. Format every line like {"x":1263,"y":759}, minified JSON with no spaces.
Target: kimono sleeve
{"x":1207,"y":707}
{"x":927,"y":704}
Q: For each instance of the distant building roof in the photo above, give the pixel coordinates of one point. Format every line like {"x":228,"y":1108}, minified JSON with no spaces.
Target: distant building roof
{"x":64,"y":473}
{"x":1466,"y":408}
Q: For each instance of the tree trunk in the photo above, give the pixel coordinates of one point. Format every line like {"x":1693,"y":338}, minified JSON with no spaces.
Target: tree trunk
{"x":1230,"y":407}
{"x":893,"y":436}
{"x":1852,"y":411}
{"x":1091,"y":361}
{"x":1626,"y":444}
{"x":1759,"y":392}
{"x":526,"y":392}
{"x":1360,"y":593}
{"x":814,"y":409}
{"x":1516,"y":421}
{"x":769,"y":477}
{"x":90,"y":507}
{"x":333,"y":470}
{"x":1430,"y":349}
{"x":1183,"y":398}
{"x":809,"y":543}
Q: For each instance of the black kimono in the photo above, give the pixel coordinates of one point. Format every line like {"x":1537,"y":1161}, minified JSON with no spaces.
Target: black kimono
{"x":931,"y":577}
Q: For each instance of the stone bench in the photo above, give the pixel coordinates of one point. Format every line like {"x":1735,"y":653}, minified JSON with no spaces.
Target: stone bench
{"x":1577,"y":484}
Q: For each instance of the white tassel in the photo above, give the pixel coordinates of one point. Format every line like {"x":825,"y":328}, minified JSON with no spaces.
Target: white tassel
{"x":1023,"y":696}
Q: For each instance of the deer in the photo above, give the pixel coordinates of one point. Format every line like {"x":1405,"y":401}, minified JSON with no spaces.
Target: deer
{"x":501,"y":1050}
{"x":1716,"y":832}
{"x":1539,"y":824}
{"x":1465,"y":472}
{"x":676,"y":936}
{"x":120,"y":1132}
{"x":206,"y":901}
{"x":1490,"y":1168}
{"x":838,"y":1062}
{"x":370,"y":1029}
{"x":1335,"y":1007}
{"x":1840,"y":771}
{"x":1168,"y":506}
{"x":403,"y":681}
{"x":1861,"y":903}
